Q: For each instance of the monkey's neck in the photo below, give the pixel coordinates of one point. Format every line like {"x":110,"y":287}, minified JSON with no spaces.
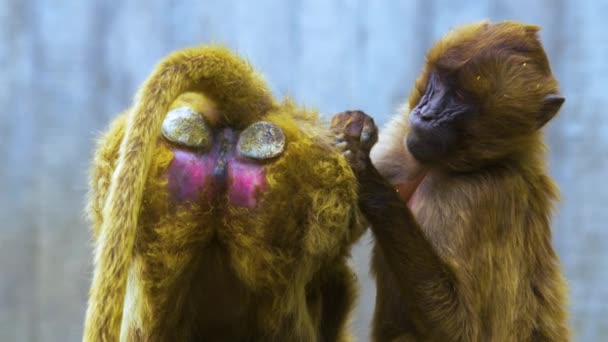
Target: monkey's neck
{"x":407,"y":189}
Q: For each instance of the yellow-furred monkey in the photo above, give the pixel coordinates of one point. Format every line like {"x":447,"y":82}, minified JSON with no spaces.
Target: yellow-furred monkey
{"x":219,"y":214}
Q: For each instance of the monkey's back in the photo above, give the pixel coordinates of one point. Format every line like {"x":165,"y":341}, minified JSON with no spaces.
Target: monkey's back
{"x":219,"y":213}
{"x":207,"y":269}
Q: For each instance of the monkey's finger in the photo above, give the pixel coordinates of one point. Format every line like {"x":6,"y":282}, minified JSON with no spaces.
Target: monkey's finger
{"x":339,"y":122}
{"x":369,"y":134}
{"x":339,"y":137}
{"x":349,"y":155}
{"x":350,"y":122}
{"x":341,"y":145}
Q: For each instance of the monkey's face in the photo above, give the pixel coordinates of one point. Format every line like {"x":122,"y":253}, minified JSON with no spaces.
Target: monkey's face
{"x":265,"y":193}
{"x":485,"y":91}
{"x":437,"y":123}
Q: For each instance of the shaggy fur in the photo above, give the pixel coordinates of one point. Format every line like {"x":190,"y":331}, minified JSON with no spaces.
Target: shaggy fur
{"x":471,"y":258}
{"x":167,"y":271}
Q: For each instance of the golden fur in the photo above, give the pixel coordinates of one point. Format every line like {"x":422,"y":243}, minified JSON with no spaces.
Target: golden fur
{"x":167,"y":272}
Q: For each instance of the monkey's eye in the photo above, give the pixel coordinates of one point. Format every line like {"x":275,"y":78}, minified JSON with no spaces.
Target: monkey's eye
{"x":185,"y":127}
{"x":262,"y":140}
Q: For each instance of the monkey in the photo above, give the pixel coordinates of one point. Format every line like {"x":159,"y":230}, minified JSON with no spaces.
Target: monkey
{"x":458,"y":197}
{"x":219,"y":213}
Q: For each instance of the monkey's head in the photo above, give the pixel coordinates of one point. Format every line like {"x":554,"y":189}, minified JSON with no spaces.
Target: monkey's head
{"x":484,"y":93}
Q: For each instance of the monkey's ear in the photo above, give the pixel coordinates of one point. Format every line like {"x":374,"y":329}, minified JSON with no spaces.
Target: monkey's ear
{"x":551,"y":105}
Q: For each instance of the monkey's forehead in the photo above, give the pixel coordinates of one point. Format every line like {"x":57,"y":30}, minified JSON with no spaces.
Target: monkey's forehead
{"x":484,"y":41}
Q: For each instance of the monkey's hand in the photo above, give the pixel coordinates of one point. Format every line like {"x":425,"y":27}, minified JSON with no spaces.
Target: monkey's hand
{"x":356,"y":133}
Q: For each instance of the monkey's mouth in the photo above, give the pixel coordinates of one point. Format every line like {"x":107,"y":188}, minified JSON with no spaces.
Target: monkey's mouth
{"x":430,"y":144}
{"x":215,"y":176}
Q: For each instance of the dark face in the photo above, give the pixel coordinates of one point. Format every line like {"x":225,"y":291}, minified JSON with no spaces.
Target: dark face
{"x":437,"y":121}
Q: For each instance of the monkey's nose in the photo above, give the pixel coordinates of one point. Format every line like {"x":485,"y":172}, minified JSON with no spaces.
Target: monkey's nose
{"x":427,"y":113}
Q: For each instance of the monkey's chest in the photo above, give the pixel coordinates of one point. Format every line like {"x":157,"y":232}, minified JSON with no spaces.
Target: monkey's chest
{"x":441,"y":214}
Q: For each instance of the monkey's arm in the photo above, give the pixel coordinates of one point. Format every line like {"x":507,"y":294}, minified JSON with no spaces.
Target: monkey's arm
{"x":102,"y":168}
{"x":425,"y":281}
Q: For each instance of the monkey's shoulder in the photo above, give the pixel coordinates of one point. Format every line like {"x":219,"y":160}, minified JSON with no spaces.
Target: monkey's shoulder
{"x":456,"y":209}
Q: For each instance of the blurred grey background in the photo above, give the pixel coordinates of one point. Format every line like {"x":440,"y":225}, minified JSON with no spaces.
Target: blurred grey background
{"x":67,"y":67}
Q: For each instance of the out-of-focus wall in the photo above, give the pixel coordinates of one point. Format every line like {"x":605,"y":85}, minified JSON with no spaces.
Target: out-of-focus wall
{"x":67,"y":67}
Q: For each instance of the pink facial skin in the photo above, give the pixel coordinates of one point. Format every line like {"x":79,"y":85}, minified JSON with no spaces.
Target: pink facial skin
{"x":210,"y":176}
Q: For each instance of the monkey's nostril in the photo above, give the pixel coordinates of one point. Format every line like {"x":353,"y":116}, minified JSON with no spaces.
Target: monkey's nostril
{"x":428,"y":114}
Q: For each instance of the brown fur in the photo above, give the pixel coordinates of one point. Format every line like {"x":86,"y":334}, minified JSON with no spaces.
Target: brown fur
{"x":174,"y":272}
{"x":471,"y":258}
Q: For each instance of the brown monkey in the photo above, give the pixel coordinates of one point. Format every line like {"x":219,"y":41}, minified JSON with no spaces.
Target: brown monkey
{"x":468,"y":257}
{"x":219,"y":214}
